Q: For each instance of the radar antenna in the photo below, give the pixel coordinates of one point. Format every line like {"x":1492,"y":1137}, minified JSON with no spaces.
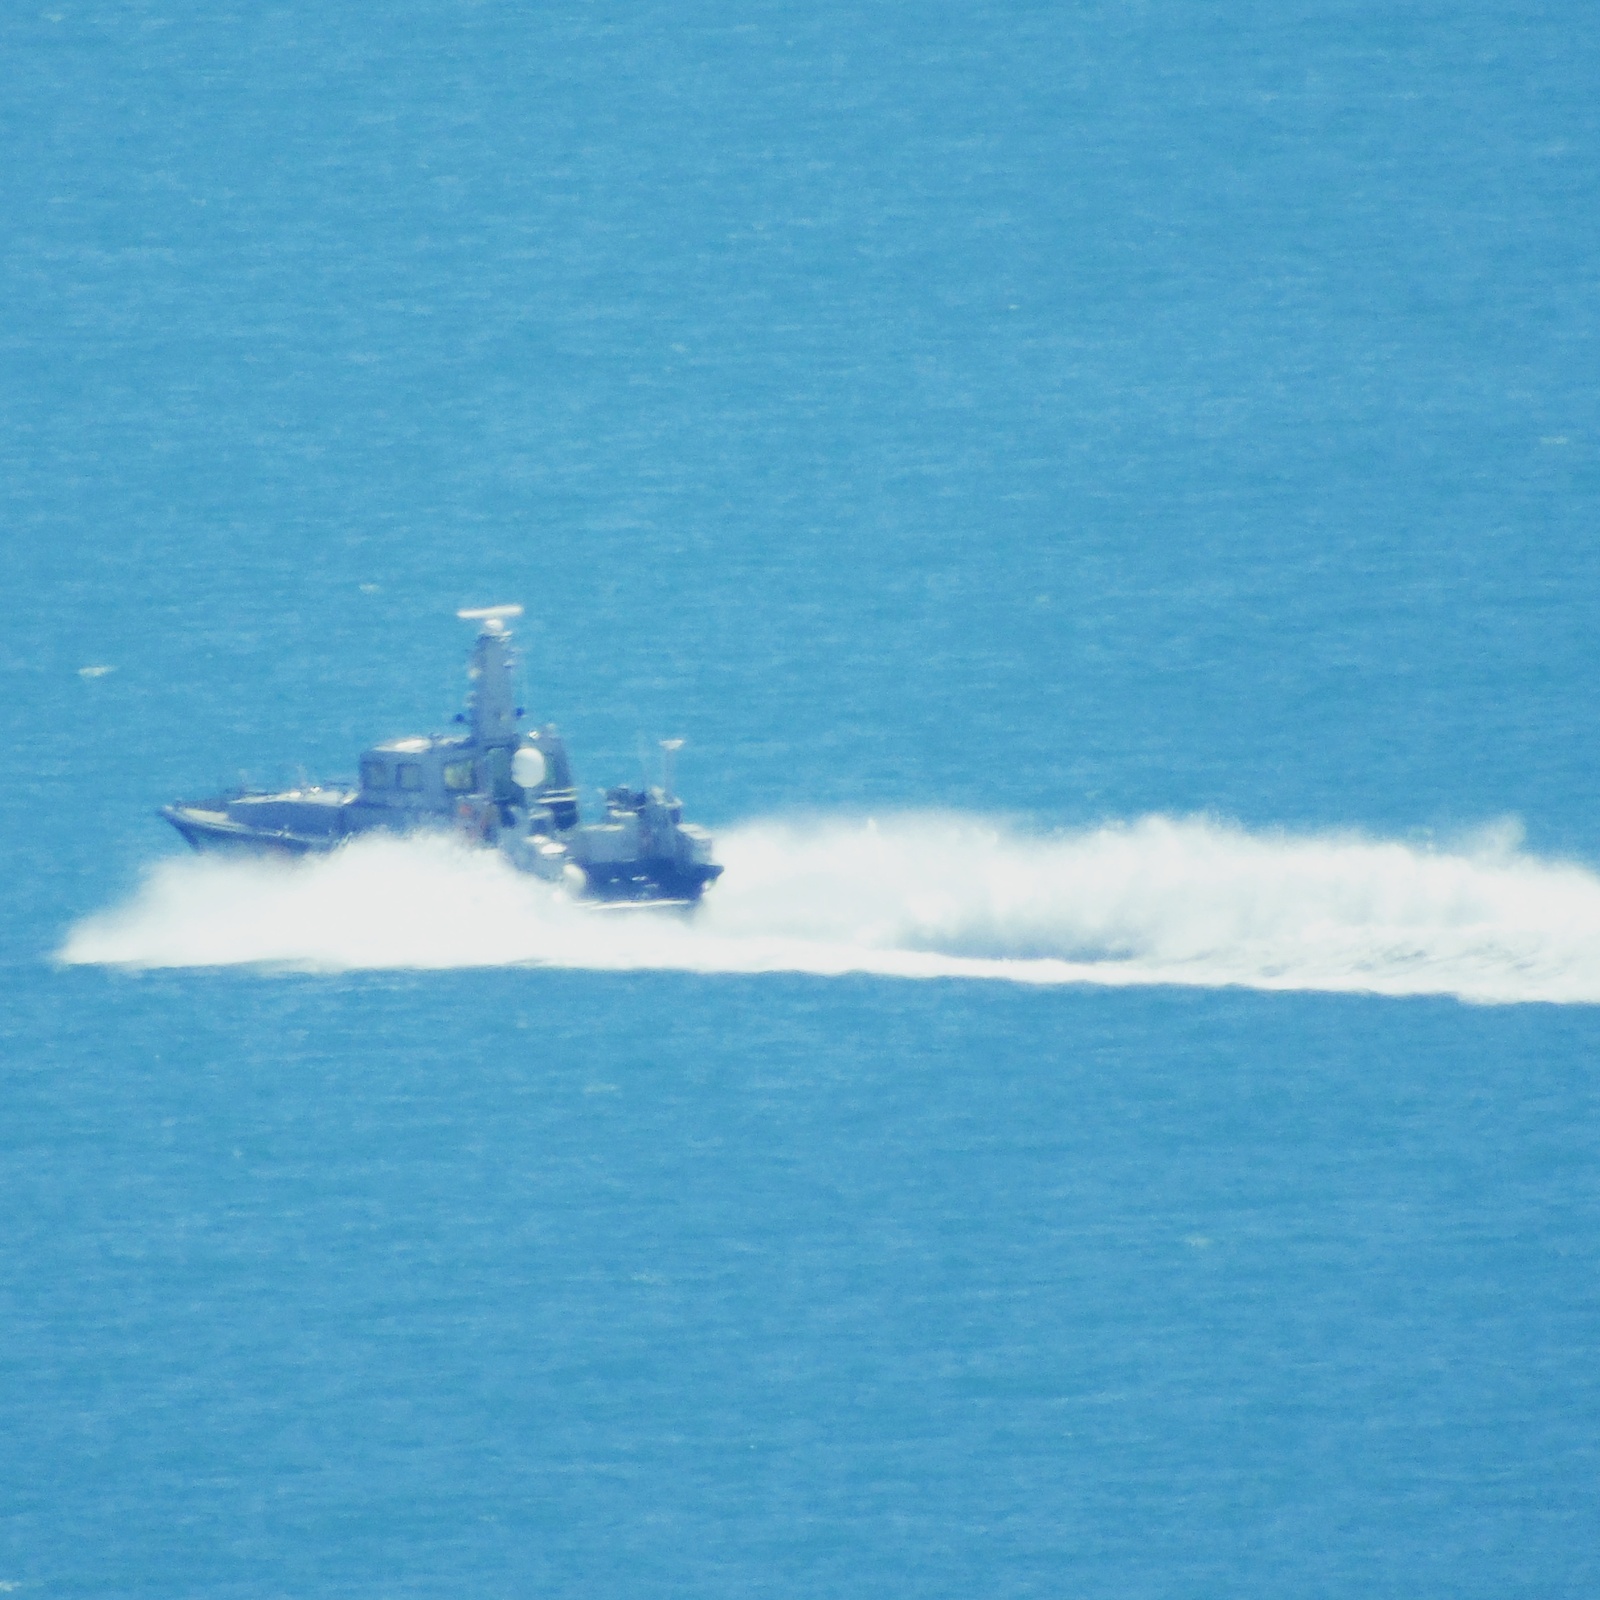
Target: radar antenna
{"x":493,"y":618}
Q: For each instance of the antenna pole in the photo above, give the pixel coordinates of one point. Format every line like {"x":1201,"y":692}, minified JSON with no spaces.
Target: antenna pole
{"x":669,"y":748}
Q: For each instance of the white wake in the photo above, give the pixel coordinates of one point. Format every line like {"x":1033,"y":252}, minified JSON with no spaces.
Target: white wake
{"x":1154,"y":901}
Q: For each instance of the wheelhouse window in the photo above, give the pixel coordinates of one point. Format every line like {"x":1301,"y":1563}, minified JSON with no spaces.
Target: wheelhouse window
{"x":408,"y":775}
{"x":374,"y":775}
{"x":460,"y":777}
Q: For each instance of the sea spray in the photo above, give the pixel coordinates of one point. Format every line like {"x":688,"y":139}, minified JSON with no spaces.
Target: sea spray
{"x":919,"y":896}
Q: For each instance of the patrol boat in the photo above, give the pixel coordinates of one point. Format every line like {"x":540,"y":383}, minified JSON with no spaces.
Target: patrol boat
{"x":496,"y":785}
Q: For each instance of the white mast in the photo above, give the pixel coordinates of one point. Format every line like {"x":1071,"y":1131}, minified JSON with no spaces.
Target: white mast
{"x":492,"y":708}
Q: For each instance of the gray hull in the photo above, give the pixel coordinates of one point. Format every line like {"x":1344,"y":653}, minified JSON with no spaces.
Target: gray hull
{"x":208,"y":830}
{"x":211,"y":830}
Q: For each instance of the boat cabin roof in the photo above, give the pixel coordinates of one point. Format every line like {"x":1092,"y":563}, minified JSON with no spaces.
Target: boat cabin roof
{"x":418,"y":745}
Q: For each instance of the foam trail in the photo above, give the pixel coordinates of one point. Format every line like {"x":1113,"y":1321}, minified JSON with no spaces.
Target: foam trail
{"x":918,"y":896}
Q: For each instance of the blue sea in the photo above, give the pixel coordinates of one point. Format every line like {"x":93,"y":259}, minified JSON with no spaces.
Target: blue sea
{"x":1109,"y":494}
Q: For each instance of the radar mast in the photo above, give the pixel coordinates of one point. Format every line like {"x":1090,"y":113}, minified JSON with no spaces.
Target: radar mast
{"x":491,"y":708}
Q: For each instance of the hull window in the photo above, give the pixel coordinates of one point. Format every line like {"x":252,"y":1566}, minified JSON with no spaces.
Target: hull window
{"x":374,"y":775}
{"x":460,"y":777}
{"x":408,"y":775}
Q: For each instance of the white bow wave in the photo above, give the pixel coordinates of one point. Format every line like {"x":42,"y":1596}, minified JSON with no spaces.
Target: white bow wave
{"x":1156,"y":901}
